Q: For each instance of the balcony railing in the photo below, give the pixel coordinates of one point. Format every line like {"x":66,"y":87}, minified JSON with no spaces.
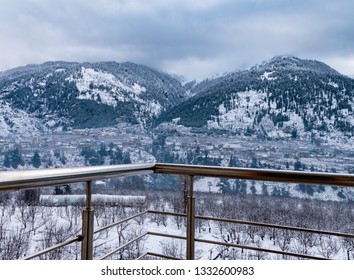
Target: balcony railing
{"x":19,"y":180}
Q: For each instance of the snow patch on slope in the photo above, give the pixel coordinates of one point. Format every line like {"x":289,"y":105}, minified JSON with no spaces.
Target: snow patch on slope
{"x":17,"y":122}
{"x":267,"y":75}
{"x":104,"y":87}
{"x":245,"y":105}
{"x":244,"y":111}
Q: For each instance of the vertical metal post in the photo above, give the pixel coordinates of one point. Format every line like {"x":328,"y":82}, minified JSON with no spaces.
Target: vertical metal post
{"x":87,"y":226}
{"x":190,"y":220}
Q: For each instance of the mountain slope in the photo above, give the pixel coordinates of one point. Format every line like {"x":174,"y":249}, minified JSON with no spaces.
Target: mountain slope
{"x":281,"y":97}
{"x":84,"y":95}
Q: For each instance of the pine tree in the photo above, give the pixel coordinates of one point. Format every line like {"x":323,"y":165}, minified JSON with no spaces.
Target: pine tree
{"x":67,"y":189}
{"x":264,"y":190}
{"x":58,"y":190}
{"x":298,"y":165}
{"x":102,"y":151}
{"x":31,"y":197}
{"x":16,"y":158}
{"x":126,"y":158}
{"x":7,"y":161}
{"x":224,"y":185}
{"x":63,"y":159}
{"x":36,"y":160}
{"x":253,"y":188}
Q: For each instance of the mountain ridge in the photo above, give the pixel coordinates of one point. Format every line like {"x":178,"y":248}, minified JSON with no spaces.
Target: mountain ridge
{"x":295,"y":63}
{"x":282,"y":96}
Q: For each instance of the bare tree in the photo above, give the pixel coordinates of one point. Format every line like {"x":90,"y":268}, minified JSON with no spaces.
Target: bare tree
{"x":173,"y":248}
{"x":227,"y":253}
{"x":304,"y":243}
{"x":348,"y":245}
{"x":33,"y":211}
{"x":120,"y":232}
{"x":328,"y":246}
{"x":4,"y":222}
{"x":159,"y":205}
{"x":284,"y":241}
{"x":23,"y":215}
{"x":14,"y":245}
{"x":177,"y":204}
{"x":134,"y":250}
{"x":258,"y":255}
{"x":55,"y":234}
{"x":139,"y":208}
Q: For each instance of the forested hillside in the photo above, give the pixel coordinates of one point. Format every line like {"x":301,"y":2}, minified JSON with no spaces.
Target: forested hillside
{"x":286,"y":95}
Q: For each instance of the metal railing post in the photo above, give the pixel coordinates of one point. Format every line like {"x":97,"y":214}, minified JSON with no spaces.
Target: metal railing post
{"x":87,"y":226}
{"x":190,"y":220}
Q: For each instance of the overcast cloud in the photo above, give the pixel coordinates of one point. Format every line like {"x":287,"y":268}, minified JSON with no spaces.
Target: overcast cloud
{"x":194,"y":38}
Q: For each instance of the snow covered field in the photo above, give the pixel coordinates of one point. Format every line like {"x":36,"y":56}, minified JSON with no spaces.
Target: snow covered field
{"x":25,"y":228}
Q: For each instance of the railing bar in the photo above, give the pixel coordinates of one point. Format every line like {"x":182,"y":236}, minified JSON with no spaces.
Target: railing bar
{"x":276,"y":226}
{"x":166,"y":235}
{"x":29,"y":179}
{"x":88,"y":195}
{"x":142,"y":256}
{"x":161,"y":256}
{"x":167,"y":213}
{"x":321,"y":178}
{"x":124,"y":245}
{"x":259,"y":249}
{"x":119,"y":222}
{"x":12,"y":180}
{"x":57,"y":246}
{"x":87,"y":225}
{"x":190,"y":230}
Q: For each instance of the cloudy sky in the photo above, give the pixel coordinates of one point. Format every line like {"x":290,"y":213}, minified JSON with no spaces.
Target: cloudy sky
{"x":193,"y":38}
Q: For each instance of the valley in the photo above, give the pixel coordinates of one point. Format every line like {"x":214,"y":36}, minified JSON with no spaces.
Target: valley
{"x":286,"y":113}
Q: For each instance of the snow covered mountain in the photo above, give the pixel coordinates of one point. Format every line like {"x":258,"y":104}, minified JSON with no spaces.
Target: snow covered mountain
{"x":60,"y":95}
{"x":283,"y":97}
